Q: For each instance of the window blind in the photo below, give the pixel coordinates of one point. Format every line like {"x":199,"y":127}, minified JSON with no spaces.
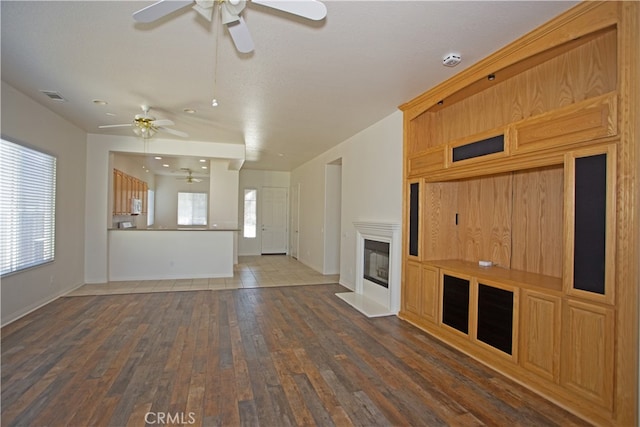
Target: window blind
{"x":27,"y":207}
{"x":192,"y":208}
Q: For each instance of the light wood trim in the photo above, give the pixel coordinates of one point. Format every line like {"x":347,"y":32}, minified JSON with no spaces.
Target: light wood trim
{"x":583,"y":121}
{"x":569,"y":223}
{"x":517,"y":278}
{"x":515,"y":318}
{"x":628,"y":216}
{"x":430,"y":160}
{"x":540,"y":328}
{"x":588,"y":351}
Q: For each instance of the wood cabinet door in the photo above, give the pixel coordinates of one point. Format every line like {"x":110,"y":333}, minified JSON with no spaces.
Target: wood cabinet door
{"x":430,"y":294}
{"x":412,"y":291}
{"x":540,"y":334}
{"x":587,"y":349}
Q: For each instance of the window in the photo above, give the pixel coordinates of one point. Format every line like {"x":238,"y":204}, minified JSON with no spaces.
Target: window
{"x":27,"y":207}
{"x":192,"y":208}
{"x":250,"y":213}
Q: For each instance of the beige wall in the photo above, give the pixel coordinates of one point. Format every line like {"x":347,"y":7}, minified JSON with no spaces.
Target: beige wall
{"x":25,"y":121}
{"x":371,"y":180}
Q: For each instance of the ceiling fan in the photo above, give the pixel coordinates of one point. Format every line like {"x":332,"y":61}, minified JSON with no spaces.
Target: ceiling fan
{"x":190,"y":179}
{"x":146,"y":126}
{"x":230,"y":13}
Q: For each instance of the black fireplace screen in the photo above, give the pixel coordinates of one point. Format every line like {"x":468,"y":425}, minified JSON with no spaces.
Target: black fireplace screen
{"x":376,"y":262}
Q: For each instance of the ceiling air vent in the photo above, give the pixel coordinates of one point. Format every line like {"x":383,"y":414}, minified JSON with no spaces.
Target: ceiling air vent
{"x":54,"y":95}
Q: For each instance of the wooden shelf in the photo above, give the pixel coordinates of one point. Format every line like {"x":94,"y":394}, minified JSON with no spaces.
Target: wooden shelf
{"x":516,"y":278}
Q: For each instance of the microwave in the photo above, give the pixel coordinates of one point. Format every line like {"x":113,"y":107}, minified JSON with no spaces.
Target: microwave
{"x":136,"y":206}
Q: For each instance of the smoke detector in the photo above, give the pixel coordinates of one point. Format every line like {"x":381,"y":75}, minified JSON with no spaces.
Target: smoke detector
{"x":451,"y":60}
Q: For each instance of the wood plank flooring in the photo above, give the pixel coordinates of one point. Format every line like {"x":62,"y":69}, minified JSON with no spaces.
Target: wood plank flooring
{"x":246,"y":357}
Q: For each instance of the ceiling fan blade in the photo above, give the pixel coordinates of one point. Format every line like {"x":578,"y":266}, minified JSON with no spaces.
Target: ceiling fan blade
{"x":163,"y":122}
{"x":310,"y":9}
{"x":204,"y":8}
{"x":173,"y":132}
{"x":159,"y":9}
{"x":115,"y":126}
{"x":241,"y":36}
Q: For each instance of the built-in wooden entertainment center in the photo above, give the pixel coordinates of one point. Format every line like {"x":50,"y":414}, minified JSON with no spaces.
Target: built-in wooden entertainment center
{"x":530,"y":160}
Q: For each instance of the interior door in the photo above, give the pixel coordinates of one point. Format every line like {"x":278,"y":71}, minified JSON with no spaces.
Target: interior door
{"x":274,"y":220}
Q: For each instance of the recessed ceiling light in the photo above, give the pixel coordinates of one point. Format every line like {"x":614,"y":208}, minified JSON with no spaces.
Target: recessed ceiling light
{"x":158,"y":158}
{"x":202,"y":160}
{"x":189,"y":111}
{"x":165,"y":165}
{"x":99,"y":102}
{"x":110,"y":114}
{"x":203,"y":167}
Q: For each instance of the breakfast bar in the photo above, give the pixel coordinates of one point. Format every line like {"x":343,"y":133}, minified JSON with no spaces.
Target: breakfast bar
{"x":179,"y":253}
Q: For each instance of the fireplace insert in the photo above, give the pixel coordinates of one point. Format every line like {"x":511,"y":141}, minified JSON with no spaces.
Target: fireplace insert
{"x":376,"y":262}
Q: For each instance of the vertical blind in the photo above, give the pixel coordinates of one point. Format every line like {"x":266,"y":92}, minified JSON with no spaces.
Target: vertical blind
{"x":27,"y":207}
{"x":192,"y":208}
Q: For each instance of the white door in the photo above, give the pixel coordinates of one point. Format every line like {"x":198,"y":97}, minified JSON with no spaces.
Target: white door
{"x":295,"y":206}
{"x":274,"y":220}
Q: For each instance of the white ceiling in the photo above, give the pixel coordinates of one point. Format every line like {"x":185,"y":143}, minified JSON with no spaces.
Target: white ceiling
{"x":307,"y":86}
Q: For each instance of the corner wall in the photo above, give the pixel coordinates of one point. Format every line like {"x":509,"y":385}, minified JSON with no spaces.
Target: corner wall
{"x":27,"y":122}
{"x":371,"y":191}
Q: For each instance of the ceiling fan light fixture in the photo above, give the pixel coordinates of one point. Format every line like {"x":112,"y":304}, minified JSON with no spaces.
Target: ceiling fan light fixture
{"x":144,"y":132}
{"x":214,"y":102}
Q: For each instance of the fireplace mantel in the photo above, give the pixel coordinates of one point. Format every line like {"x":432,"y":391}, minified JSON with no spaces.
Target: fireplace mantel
{"x":368,"y":297}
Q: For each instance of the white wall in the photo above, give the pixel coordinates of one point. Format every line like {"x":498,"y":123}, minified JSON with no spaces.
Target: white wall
{"x":332,"y":218}
{"x":371,"y":191}
{"x":166,"y":198}
{"x":223,"y":200}
{"x":98,"y":176}
{"x":256,"y":179}
{"x":25,"y":121}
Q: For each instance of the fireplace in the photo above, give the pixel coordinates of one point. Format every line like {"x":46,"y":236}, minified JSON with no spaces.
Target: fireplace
{"x":376,"y":262}
{"x":378,"y":254}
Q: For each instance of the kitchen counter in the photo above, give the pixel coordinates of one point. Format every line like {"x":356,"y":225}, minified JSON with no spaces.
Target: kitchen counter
{"x":170,"y":253}
{"x":174,"y":229}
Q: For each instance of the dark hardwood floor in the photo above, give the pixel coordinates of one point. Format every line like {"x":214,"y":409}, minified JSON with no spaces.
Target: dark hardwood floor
{"x":265,"y":356}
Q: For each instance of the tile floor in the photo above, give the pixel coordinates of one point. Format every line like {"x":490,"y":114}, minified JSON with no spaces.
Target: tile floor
{"x":250,"y":272}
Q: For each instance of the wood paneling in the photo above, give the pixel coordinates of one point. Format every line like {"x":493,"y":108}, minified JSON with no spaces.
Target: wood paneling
{"x":537,"y":221}
{"x":484,"y":219}
{"x":439,"y":219}
{"x":585,"y":72}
